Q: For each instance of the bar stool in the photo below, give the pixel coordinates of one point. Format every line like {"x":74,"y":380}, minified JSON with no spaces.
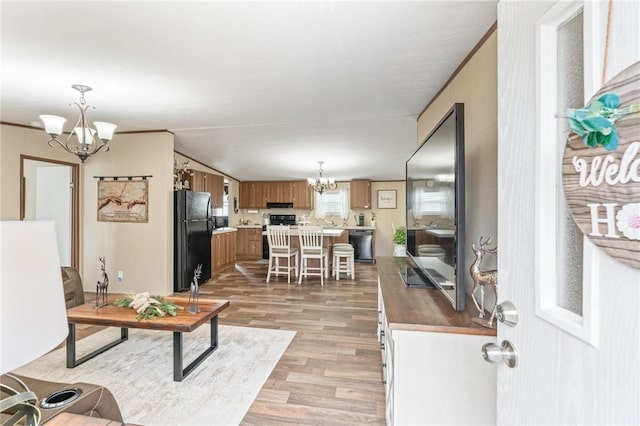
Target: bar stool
{"x":431,"y":250}
{"x":311,"y":248}
{"x":346,"y":251}
{"x":279,"y":238}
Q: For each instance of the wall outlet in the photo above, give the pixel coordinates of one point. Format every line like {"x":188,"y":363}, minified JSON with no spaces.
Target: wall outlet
{"x":120,"y":276}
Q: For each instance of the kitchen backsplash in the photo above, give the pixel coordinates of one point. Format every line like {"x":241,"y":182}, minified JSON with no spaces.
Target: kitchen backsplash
{"x":244,"y":217}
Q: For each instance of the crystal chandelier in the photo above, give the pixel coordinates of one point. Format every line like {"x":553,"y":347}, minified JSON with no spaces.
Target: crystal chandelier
{"x":322,"y":184}
{"x":80,"y":141}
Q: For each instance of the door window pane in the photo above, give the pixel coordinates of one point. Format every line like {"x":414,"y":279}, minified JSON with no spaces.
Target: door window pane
{"x":569,"y":240}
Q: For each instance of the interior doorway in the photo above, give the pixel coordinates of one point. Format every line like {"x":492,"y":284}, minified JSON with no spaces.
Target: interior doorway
{"x":49,"y":191}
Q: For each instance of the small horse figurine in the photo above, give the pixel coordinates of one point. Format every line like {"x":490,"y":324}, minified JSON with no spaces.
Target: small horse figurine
{"x":101,"y":287}
{"x":193,"y":296}
{"x":481,"y":279}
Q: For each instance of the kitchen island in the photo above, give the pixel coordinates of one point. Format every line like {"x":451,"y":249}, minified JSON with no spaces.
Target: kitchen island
{"x":330,"y":236}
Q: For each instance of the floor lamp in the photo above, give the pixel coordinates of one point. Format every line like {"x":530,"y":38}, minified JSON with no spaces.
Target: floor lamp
{"x":33,"y":317}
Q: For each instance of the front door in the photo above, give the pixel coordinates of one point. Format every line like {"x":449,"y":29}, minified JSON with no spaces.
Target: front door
{"x":578,"y":331}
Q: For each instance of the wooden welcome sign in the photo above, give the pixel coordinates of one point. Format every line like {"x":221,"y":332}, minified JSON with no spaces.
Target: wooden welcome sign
{"x":602,"y":186}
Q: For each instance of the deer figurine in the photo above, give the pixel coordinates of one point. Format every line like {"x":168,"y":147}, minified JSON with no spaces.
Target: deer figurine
{"x":193,"y":306}
{"x":101,"y":287}
{"x":481,"y":279}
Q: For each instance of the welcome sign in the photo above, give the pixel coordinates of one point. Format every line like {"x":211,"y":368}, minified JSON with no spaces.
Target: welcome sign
{"x":601,"y":186}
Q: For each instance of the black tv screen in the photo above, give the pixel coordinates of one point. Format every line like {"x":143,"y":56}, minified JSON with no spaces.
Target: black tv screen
{"x":435,"y":208}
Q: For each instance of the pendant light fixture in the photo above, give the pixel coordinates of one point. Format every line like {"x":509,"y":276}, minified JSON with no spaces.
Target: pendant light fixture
{"x":322,"y":184}
{"x":81,"y":139}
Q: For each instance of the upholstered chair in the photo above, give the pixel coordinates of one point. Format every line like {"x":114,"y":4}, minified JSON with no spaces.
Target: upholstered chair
{"x":73,"y":290}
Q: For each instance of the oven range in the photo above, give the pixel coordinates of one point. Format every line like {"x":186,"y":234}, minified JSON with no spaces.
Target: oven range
{"x":276,"y":219}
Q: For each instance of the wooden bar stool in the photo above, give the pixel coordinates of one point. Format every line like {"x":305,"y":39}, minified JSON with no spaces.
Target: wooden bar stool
{"x":311,"y":249}
{"x":279,"y":238}
{"x":343,"y":251}
{"x":431,"y":250}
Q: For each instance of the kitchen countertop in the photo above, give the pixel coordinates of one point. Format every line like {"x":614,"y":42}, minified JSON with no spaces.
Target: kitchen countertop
{"x":329,"y":232}
{"x":348,"y":228}
{"x":357,"y":228}
{"x":442,"y":233}
{"x":224,"y":230}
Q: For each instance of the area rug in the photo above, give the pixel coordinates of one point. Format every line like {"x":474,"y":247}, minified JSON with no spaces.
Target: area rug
{"x":139,"y":372}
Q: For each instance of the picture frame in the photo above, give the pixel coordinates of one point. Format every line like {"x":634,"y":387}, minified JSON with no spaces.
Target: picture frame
{"x":387,"y":198}
{"x":123,"y":201}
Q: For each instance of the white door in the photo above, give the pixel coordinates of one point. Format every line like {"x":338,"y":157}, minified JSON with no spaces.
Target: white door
{"x":48,"y":194}
{"x":578,"y":333}
{"x":53,"y":202}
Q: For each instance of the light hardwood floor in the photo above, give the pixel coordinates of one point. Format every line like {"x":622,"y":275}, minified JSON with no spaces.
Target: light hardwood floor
{"x":330,"y":374}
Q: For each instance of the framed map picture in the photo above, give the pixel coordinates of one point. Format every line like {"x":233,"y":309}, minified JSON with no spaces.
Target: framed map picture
{"x":387,"y":199}
{"x":123,"y":201}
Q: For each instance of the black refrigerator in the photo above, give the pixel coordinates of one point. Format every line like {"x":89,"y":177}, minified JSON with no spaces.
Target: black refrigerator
{"x":193,"y":225}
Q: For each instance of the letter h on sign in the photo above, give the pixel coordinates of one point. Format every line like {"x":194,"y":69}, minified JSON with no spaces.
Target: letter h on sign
{"x":609,"y":220}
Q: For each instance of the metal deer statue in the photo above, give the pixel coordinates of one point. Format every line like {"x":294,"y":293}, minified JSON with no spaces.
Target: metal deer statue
{"x":193,"y":307}
{"x":481,"y":279}
{"x":101,"y":287}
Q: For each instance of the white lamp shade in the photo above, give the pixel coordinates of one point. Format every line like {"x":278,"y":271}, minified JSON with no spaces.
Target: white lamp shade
{"x":105,"y":130}
{"x":53,"y":124}
{"x":33,"y":318}
{"x":84,"y":137}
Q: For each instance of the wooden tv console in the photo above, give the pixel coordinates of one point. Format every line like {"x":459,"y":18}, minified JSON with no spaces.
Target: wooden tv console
{"x":432,"y":366}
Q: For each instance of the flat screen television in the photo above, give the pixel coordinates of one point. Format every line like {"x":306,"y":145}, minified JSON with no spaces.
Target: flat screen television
{"x":435,"y":210}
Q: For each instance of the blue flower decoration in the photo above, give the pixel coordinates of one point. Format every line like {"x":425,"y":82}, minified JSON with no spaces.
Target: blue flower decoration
{"x":595,"y":124}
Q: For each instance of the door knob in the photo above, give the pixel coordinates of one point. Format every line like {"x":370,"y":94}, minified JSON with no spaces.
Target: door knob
{"x":493,"y":353}
{"x":507,"y":314}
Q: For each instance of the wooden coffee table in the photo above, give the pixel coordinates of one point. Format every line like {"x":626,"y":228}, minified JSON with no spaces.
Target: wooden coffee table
{"x":125,"y":318}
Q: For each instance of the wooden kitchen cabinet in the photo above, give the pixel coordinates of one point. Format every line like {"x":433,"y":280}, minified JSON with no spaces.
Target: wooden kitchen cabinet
{"x":214,"y":185}
{"x":302,"y":196}
{"x":256,"y":194}
{"x":253,"y":195}
{"x":223,"y":251}
{"x":360,"y":194}
{"x":249,"y":243}
{"x":197,"y":181}
{"x":279,"y":192}
{"x":211,"y":183}
{"x":244,"y":196}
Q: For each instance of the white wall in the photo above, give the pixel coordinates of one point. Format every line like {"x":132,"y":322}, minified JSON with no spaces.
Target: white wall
{"x":386,"y":219}
{"x":143,"y":251}
{"x":14,"y":141}
{"x":476,"y":87}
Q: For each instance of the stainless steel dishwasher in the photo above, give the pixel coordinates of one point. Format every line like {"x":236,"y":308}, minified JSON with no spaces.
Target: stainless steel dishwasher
{"x":362,"y":242}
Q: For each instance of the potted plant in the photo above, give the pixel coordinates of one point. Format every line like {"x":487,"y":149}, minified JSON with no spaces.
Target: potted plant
{"x":400,"y":241}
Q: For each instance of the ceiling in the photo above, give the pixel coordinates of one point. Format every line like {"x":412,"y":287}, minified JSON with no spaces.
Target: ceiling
{"x":257,"y":90}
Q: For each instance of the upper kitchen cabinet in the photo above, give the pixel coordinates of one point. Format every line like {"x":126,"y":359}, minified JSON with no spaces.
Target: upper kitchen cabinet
{"x":302,"y":196}
{"x":197,"y":181}
{"x":279,"y":192}
{"x":360,"y":194}
{"x":256,"y":195}
{"x":211,"y":183}
{"x":253,"y":195}
{"x":214,"y":185}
